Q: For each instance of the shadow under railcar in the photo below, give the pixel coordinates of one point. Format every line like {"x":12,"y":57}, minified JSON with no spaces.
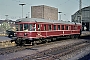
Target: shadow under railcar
{"x":86,"y":37}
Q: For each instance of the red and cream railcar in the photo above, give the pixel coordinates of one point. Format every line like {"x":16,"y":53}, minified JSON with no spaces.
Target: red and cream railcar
{"x":33,"y":29}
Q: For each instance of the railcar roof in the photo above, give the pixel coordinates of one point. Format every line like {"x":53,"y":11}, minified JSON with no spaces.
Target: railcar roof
{"x":43,"y":20}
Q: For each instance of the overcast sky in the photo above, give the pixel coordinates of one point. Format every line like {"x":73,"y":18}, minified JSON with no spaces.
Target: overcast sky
{"x":14,"y":10}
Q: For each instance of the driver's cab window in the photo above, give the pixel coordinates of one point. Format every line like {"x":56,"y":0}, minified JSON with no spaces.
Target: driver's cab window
{"x":21,"y":27}
{"x":25,"y":27}
{"x":17,"y":26}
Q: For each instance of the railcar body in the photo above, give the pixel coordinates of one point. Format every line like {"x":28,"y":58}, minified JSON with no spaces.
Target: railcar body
{"x":30,"y":30}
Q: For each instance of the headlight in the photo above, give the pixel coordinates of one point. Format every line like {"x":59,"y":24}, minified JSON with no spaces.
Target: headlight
{"x":15,"y":34}
{"x":25,"y":34}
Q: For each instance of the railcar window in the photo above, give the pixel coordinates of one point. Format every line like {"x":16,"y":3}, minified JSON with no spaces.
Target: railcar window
{"x":58,"y":27}
{"x":44,"y":27}
{"x":54,"y":27}
{"x":62,"y":27}
{"x":66,"y":27}
{"x":26,"y":27}
{"x":49,"y":27}
{"x":72,"y":27}
{"x":21,"y":27}
{"x":69,"y":28}
{"x":75,"y":27}
{"x":39,"y":27}
{"x":17,"y":26}
{"x":31,"y":27}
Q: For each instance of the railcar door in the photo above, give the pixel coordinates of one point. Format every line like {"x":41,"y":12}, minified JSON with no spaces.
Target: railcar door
{"x":41,"y":30}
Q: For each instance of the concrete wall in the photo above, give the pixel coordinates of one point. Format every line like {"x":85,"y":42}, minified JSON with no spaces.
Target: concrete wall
{"x":44,"y":12}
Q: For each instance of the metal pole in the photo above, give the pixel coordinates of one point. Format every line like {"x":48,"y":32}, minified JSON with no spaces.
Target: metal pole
{"x":22,"y":11}
{"x":28,"y":14}
{"x":60,"y":15}
{"x":22,"y":8}
{"x":80,"y":7}
{"x":6,"y":17}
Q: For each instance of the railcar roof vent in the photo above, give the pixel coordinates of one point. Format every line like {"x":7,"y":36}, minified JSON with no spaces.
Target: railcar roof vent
{"x":35,"y":21}
{"x":19,"y":20}
{"x":75,"y":23}
{"x":26,"y":17}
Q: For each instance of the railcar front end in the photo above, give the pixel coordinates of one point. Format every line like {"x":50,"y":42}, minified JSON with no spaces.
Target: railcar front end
{"x":25,"y":33}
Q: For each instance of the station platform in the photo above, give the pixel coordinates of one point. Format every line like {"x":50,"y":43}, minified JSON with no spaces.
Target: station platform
{"x":4,"y":38}
{"x":5,"y":42}
{"x":85,"y":33}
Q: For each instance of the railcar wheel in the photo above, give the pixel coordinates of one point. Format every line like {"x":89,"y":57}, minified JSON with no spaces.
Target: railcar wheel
{"x":35,"y":43}
{"x":18,"y":42}
{"x":23,"y":42}
{"x":67,"y":36}
{"x":76,"y":36}
{"x":32,"y":43}
{"x":72,"y":36}
{"x":48,"y":40}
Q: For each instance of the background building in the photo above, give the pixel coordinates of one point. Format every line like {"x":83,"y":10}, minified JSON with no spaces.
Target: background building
{"x":85,"y":18}
{"x":6,"y":25}
{"x":44,"y":12}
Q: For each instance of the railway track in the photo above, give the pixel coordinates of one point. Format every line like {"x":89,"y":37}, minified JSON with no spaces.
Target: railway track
{"x":12,"y":49}
{"x":48,"y":54}
{"x":56,"y":52}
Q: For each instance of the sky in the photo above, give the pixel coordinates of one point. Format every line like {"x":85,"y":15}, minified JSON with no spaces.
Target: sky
{"x":14,"y":10}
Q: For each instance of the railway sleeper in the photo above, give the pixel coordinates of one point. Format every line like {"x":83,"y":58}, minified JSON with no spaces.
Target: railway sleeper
{"x":49,"y":53}
{"x":54,"y":50}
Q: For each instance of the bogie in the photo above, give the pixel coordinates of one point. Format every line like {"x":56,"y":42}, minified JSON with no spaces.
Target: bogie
{"x":18,"y":41}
